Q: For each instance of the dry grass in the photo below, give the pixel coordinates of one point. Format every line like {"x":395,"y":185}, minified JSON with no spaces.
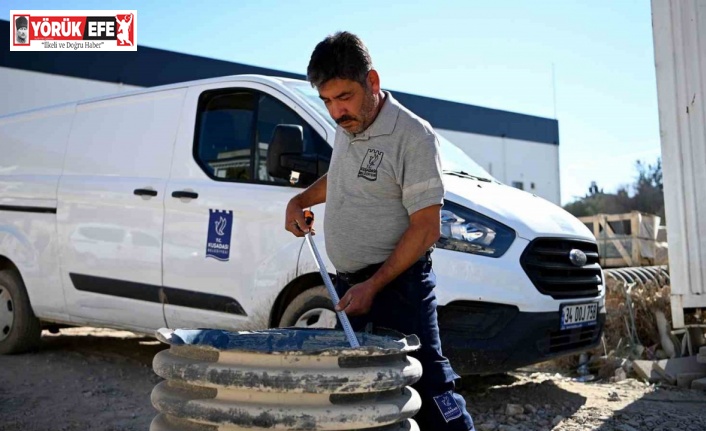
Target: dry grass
{"x":619,"y":338}
{"x":645,"y":300}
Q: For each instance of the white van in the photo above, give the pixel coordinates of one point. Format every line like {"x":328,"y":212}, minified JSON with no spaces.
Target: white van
{"x":159,"y":208}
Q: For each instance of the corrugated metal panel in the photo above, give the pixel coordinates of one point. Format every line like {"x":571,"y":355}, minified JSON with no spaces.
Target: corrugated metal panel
{"x":679,"y":29}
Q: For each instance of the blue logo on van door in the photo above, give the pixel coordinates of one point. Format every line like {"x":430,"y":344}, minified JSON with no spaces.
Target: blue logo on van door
{"x":220,"y":224}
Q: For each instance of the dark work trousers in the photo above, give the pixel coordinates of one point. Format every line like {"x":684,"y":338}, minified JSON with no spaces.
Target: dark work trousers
{"x":408,"y":305}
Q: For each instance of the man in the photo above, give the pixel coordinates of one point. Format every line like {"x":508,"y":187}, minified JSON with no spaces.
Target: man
{"x":383,"y":195}
{"x":21,"y":31}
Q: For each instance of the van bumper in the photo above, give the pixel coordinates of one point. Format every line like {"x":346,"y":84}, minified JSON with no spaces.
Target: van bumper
{"x":483,"y":338}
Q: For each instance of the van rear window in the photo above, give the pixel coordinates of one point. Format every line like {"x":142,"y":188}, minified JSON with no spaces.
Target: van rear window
{"x":225,"y":135}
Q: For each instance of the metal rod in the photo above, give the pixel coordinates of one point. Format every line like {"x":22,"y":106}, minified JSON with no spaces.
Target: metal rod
{"x":345,"y":323}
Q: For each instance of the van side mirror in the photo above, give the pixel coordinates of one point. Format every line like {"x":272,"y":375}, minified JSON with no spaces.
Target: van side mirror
{"x":284,"y":154}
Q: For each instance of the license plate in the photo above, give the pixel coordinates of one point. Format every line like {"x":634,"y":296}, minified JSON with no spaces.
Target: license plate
{"x":578,"y":315}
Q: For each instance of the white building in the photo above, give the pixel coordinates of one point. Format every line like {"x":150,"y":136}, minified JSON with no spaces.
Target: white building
{"x":517,"y":149}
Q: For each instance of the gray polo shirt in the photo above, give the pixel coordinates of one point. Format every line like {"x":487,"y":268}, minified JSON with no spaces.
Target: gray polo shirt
{"x":376,"y":180}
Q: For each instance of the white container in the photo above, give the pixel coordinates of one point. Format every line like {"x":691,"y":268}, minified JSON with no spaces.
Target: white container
{"x":679,"y":30}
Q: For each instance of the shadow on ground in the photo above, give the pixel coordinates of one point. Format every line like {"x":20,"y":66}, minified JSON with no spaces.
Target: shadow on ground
{"x":666,"y":409}
{"x":488,"y":397}
{"x":138,"y":349}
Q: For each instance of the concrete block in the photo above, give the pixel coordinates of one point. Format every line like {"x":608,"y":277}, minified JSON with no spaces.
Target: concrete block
{"x":645,"y":370}
{"x":684,"y":380}
{"x":699,"y":384}
{"x":701,"y":357}
{"x":664,"y":376}
{"x":671,"y":368}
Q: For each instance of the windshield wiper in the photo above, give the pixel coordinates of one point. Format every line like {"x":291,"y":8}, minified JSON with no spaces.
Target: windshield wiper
{"x":463,"y":174}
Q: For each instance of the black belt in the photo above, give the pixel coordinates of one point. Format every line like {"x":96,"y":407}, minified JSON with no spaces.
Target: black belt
{"x":361,"y":275}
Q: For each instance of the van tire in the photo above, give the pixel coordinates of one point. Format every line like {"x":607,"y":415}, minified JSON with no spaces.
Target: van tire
{"x":20,"y":330}
{"x":311,"y":308}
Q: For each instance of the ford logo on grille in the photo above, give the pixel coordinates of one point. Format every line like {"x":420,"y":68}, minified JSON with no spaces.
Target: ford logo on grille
{"x":577,"y":257}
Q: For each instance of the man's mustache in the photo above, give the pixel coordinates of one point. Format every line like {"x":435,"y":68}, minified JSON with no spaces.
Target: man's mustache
{"x":344,"y":118}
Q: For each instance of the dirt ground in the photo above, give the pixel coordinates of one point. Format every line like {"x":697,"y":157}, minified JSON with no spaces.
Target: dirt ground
{"x":99,"y":379}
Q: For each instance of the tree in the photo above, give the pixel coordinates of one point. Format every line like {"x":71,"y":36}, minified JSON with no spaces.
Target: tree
{"x":644,"y":195}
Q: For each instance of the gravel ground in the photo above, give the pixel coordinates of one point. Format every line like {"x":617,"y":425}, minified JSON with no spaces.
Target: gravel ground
{"x":542,"y":401}
{"x":99,"y":379}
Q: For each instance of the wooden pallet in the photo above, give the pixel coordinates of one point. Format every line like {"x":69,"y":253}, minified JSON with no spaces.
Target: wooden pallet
{"x":625,"y":239}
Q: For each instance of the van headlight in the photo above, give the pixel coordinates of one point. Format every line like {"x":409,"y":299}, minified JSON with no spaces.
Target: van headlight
{"x":465,"y":230}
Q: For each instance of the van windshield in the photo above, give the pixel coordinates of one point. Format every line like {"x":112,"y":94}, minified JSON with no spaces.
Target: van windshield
{"x":311,"y":97}
{"x":453,"y":159}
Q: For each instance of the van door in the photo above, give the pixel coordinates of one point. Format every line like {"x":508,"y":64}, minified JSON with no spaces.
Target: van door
{"x":111,"y":208}
{"x":226,"y":250}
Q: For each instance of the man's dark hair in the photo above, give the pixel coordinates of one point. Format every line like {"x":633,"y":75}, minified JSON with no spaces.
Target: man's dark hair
{"x":342,"y":56}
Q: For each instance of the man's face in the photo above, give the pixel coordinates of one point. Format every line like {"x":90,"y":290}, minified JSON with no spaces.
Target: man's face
{"x":22,"y":32}
{"x":351,"y":104}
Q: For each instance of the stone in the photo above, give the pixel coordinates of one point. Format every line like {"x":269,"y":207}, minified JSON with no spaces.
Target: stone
{"x":557,"y":419}
{"x":684,"y":380}
{"x":699,"y":384}
{"x":645,"y":370}
{"x":619,"y":375}
{"x":514,"y":409}
{"x":487,"y":426}
{"x":613,"y":396}
{"x":664,"y":377}
{"x":507,"y":428}
{"x":529,"y":408}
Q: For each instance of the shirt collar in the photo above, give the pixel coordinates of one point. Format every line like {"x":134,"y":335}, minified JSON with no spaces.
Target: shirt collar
{"x":384,"y":123}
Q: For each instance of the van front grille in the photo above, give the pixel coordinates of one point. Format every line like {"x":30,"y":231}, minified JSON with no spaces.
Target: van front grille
{"x":547,"y":263}
{"x":569,"y":339}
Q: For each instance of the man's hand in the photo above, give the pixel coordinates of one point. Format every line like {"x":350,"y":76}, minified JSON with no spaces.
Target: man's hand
{"x":358,"y":299}
{"x":294,"y":220}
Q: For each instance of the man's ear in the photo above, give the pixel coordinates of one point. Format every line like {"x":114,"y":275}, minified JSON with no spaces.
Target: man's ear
{"x":374,"y":81}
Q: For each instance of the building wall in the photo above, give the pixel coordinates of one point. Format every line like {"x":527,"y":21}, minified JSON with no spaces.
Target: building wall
{"x":534,"y":165}
{"x":23,"y":90}
{"x":679,"y":31}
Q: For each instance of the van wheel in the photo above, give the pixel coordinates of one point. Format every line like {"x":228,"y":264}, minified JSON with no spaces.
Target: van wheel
{"x":20,"y":329}
{"x":310,"y":309}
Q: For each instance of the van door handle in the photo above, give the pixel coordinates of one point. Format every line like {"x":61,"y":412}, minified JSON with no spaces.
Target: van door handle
{"x":184,"y":194}
{"x":145,"y":192}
